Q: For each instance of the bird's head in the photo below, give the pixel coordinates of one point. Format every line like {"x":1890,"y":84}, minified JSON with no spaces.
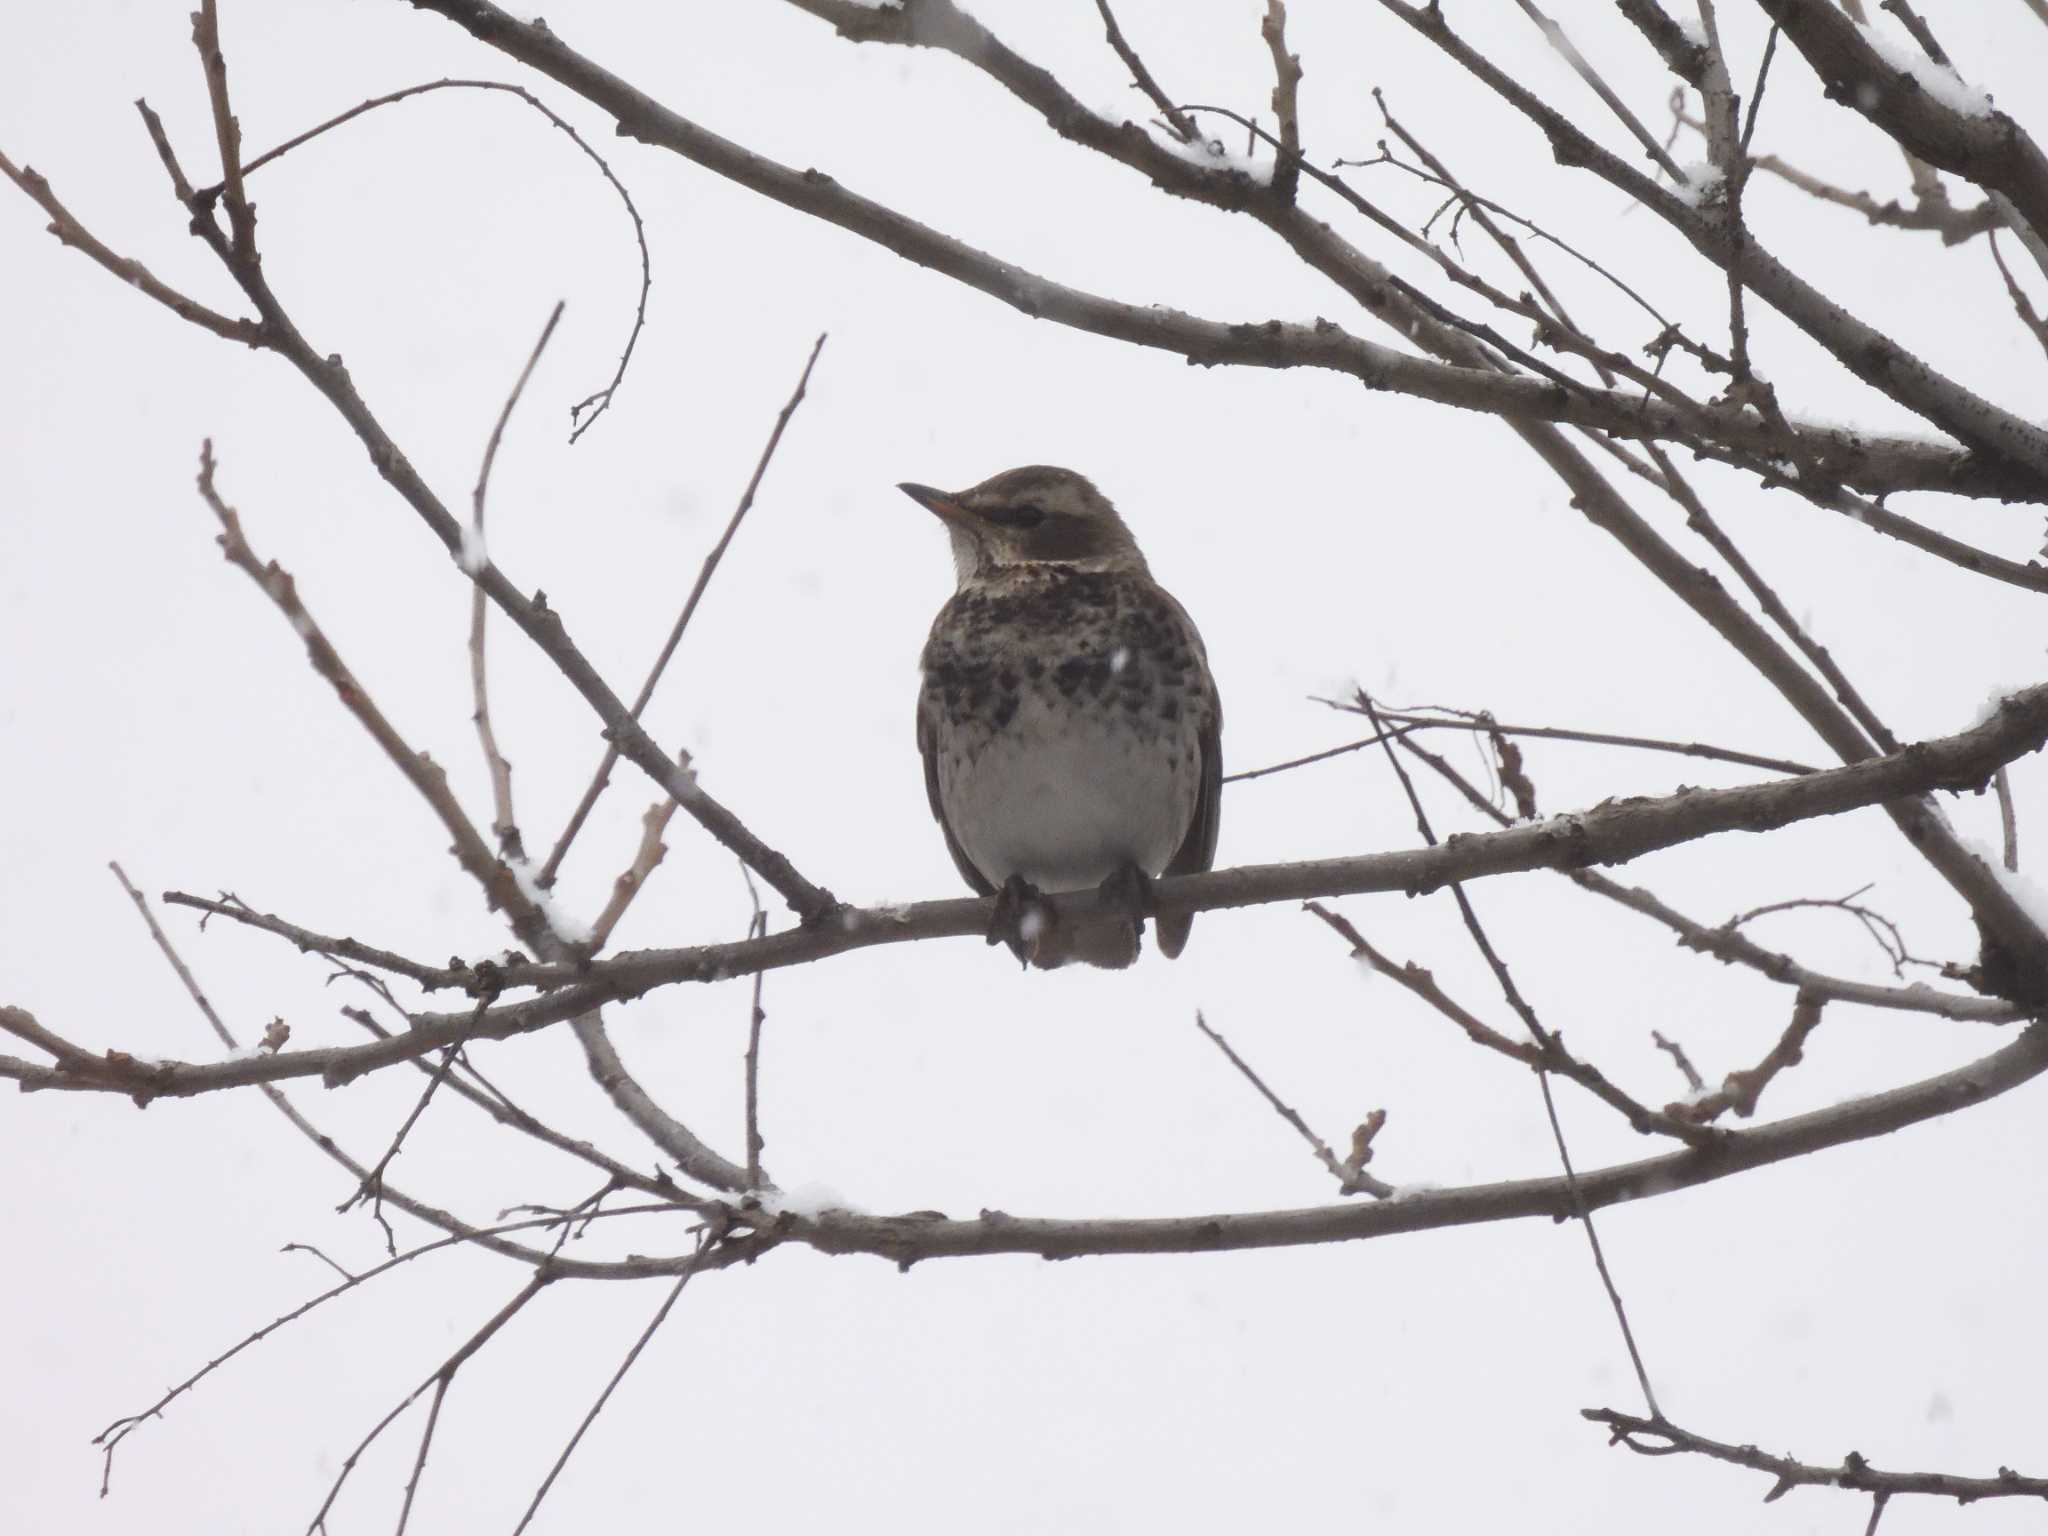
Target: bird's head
{"x":1037,"y":515}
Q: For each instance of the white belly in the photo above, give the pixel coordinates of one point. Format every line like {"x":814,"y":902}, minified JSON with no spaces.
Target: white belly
{"x":1066,"y":798}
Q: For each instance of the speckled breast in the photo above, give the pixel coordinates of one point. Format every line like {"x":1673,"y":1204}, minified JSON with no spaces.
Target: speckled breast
{"x":1065,"y":708}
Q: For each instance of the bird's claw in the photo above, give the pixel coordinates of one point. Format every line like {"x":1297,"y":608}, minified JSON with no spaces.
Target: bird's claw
{"x":1021,"y":918}
{"x":1129,"y":891}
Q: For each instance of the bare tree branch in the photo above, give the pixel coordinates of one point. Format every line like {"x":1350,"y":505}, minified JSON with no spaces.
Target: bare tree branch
{"x":910,"y":1239}
{"x":371,"y":1187}
{"x":1546,"y":1053}
{"x":1854,"y":1473}
{"x":505,"y":824}
{"x":70,"y":232}
{"x":1987,"y":148}
{"x":675,"y":635}
{"x":1609,"y":834}
{"x":1727,"y":944}
{"x":464,"y":978}
{"x":633,"y":878}
{"x":1682,"y":53}
{"x":442,"y":1375}
{"x":1351,"y":1177}
{"x":939,"y":23}
{"x":2021,"y":306}
{"x":1550,"y":1044}
{"x":1679,"y":1060}
{"x":1268,"y":344}
{"x":757,"y":927}
{"x":21,"y":1024}
{"x":1554,"y":35}
{"x":1543,"y":388}
{"x":1177,"y":120}
{"x":1286,"y":99}
{"x":110,"y":1438}
{"x":501,"y":888}
{"x":1872,"y":356}
{"x":540,"y":623}
{"x":706,"y":1240}
{"x":2008,"y":821}
{"x":582,"y":415}
{"x":1739,"y":1091}
{"x":1937,"y":214}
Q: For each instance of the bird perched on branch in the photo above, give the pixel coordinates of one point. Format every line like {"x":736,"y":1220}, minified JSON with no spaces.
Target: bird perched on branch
{"x":1070,"y":729}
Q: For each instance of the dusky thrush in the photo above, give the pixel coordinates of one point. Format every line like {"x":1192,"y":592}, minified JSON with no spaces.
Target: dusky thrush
{"x":1070,"y":728}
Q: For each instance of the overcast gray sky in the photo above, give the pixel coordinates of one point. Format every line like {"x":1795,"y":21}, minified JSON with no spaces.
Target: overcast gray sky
{"x":153,"y":709}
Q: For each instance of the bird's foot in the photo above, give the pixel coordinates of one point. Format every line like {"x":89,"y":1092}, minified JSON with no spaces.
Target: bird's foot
{"x":1129,"y":892}
{"x":1021,"y":919}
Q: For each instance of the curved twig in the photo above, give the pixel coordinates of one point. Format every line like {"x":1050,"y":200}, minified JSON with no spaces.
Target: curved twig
{"x":596,"y":402}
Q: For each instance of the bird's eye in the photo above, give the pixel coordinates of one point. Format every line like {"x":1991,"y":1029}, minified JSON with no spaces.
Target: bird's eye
{"x":1018,"y":517}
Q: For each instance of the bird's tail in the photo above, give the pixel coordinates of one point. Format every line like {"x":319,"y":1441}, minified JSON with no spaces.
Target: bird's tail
{"x":1109,"y":941}
{"x":1171,"y":929}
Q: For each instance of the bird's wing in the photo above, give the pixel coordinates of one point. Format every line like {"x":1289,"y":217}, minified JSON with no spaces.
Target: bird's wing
{"x":928,"y":749}
{"x":1198,"y":848}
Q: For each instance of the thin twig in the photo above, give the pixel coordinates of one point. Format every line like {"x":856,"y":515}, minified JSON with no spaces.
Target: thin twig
{"x":501,"y":889}
{"x":1351,"y":1180}
{"x":1884,"y":933}
{"x":1286,"y":99}
{"x":438,"y":1380}
{"x":227,"y":131}
{"x":320,"y":1254}
{"x":1544,"y":1038}
{"x":1739,"y":1091}
{"x":1815,"y":483}
{"x":757,"y":927}
{"x":1727,"y":944}
{"x":431,"y":977}
{"x":419,"y":1460}
{"x":1497,"y":345}
{"x":1934,"y":213}
{"x":110,"y":1438}
{"x":1756,"y":94}
{"x":2031,"y":576}
{"x":540,"y":623}
{"x":1702,"y":522}
{"x":19,"y":1022}
{"x":1483,"y":217}
{"x":1438,"y":174}
{"x":1853,"y":1473}
{"x":1182,"y":126}
{"x":1922,"y":33}
{"x":2008,"y":820}
{"x":1555,"y":36}
{"x":633,"y":878}
{"x":70,"y":232}
{"x":596,"y":403}
{"x":1679,"y":1059}
{"x":163,"y":943}
{"x":1477,"y":721}
{"x":1866,"y":350}
{"x":1545,"y":1057}
{"x":459,"y":1231}
{"x":675,"y":635}
{"x":706,"y":1241}
{"x":474,"y":1087}
{"x":371,"y":1187}
{"x":504,"y":824}
{"x":2035,"y":323}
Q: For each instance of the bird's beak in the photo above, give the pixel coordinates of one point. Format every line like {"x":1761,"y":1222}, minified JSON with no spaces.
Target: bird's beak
{"x":946,"y":505}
